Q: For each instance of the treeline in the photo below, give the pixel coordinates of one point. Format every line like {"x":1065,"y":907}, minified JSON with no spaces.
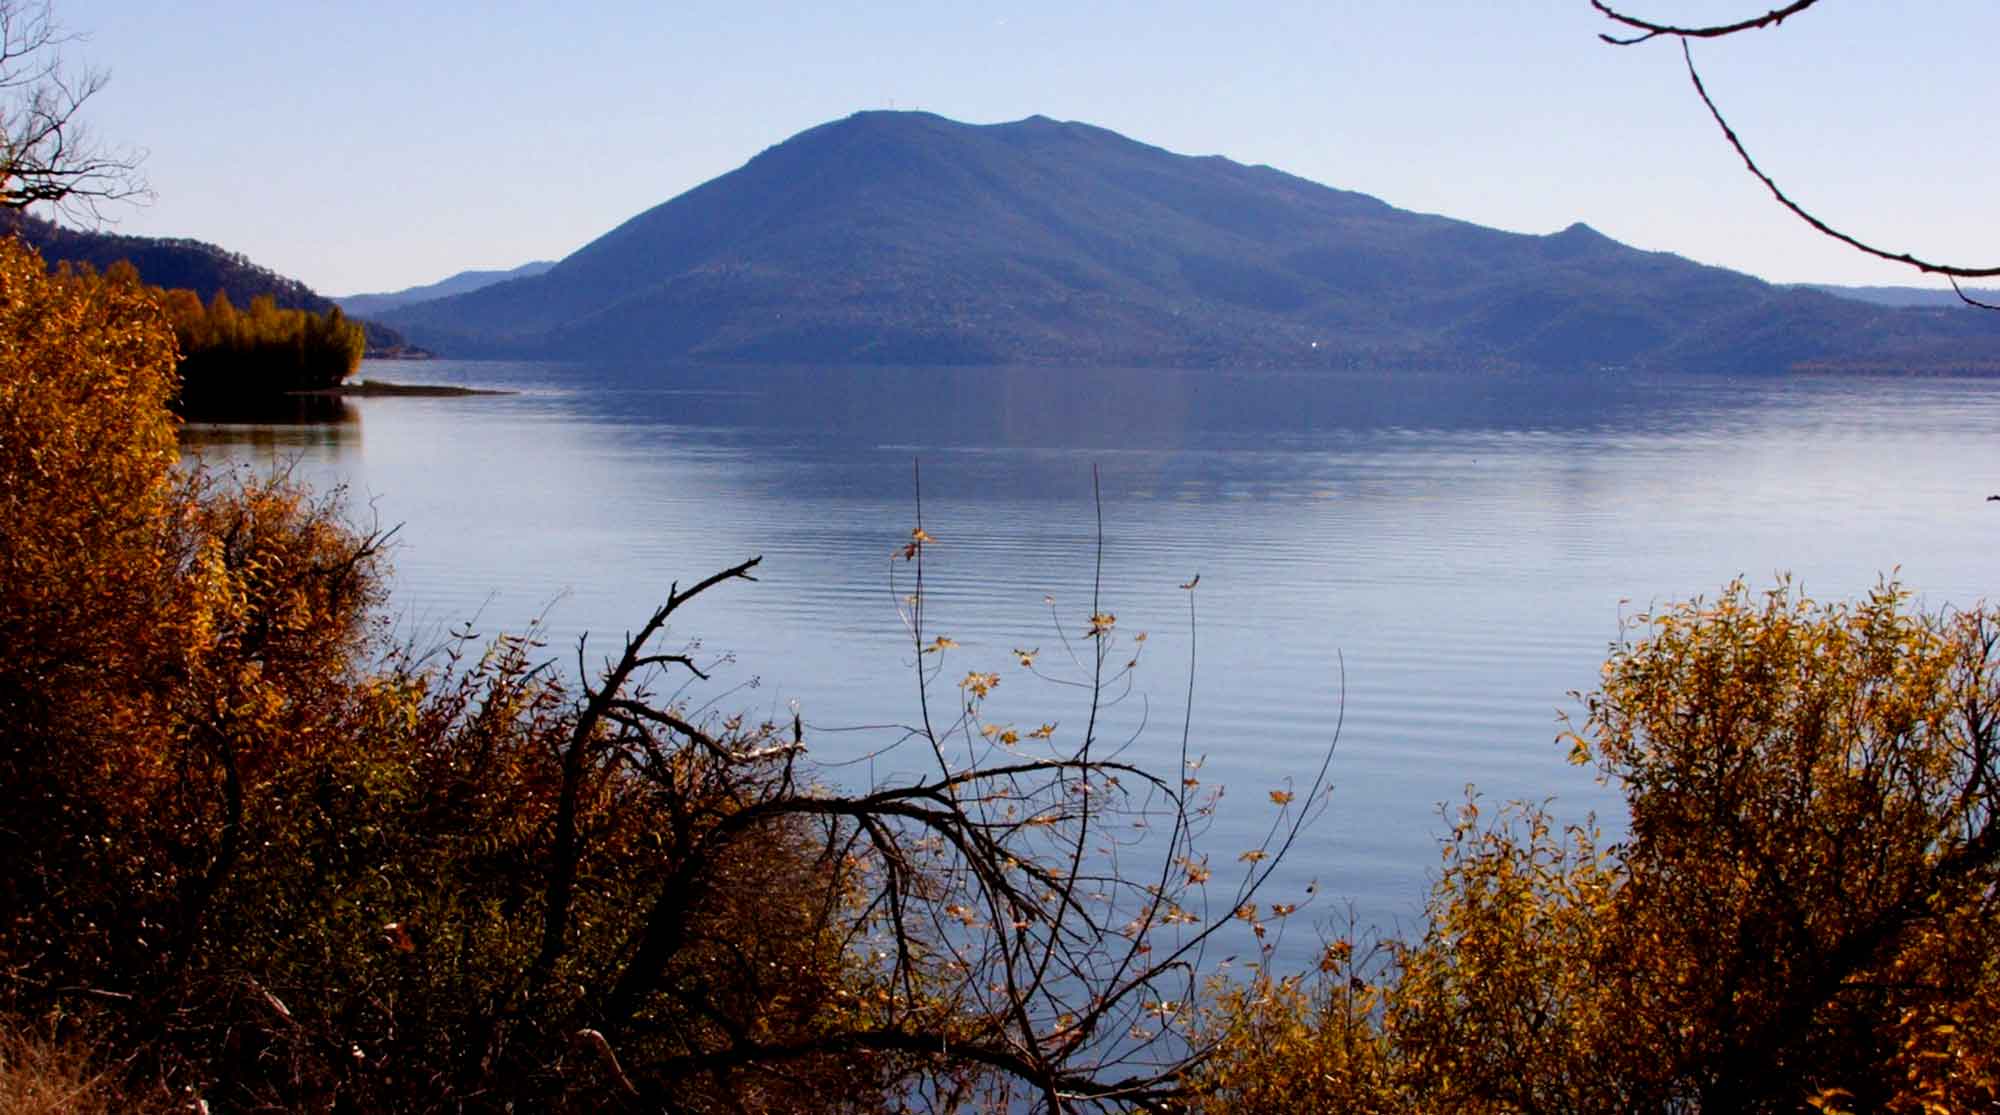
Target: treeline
{"x":177,"y":263}
{"x":229,"y":355}
{"x":172,"y":262}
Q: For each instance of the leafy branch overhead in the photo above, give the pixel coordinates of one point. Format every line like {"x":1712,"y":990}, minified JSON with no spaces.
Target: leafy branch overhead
{"x":1646,"y":30}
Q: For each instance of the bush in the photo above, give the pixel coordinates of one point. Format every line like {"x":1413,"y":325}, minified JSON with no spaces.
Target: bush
{"x":1803,"y":912}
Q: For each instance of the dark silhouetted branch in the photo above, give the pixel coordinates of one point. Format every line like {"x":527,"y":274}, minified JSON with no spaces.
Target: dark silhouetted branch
{"x":1650,"y":30}
{"x":46,"y":153}
{"x":1948,"y":270}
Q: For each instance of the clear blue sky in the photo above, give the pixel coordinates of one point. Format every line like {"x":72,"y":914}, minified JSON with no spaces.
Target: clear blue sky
{"x":373,"y":145}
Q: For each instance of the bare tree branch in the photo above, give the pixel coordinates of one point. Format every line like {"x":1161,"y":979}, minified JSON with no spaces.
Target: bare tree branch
{"x":47,"y":155}
{"x":600,"y":702}
{"x":1650,"y":30}
{"x":1949,"y":270}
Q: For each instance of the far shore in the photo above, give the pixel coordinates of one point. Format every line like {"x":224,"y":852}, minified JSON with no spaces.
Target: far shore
{"x":375,"y":387}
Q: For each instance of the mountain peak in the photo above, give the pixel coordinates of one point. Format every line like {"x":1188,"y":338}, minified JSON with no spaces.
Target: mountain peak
{"x":902,"y":237}
{"x":1582,"y":233}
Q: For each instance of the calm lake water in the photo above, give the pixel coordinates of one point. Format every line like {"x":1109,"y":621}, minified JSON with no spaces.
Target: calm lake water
{"x":1465,"y":545}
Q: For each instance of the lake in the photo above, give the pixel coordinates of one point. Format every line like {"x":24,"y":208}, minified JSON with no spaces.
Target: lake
{"x":1461,"y":549}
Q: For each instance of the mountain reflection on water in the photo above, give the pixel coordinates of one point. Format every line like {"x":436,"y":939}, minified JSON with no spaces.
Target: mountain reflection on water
{"x":1464,"y":547}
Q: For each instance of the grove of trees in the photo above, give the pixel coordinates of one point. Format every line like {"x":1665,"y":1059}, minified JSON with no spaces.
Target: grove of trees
{"x":228,"y":355}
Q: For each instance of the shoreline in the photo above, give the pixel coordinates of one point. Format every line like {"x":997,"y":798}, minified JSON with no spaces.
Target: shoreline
{"x":370,"y":388}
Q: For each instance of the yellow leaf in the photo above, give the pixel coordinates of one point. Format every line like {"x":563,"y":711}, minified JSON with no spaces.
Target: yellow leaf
{"x":978,"y":684}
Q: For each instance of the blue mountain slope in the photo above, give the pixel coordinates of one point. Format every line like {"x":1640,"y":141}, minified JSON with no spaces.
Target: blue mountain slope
{"x":907,"y":238}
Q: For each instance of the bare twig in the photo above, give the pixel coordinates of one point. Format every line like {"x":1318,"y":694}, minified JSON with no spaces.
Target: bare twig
{"x":599,"y":702}
{"x":46,"y":153}
{"x":1949,"y":270}
{"x":1650,"y":30}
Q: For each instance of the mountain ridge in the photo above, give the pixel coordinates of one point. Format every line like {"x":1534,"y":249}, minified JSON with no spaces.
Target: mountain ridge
{"x":906,"y":238}
{"x":458,"y":283}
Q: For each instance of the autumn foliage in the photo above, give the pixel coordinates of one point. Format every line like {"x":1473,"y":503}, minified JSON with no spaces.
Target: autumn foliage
{"x":1802,"y":914}
{"x":229,"y":354}
{"x":259,"y":856}
{"x":272,"y":860}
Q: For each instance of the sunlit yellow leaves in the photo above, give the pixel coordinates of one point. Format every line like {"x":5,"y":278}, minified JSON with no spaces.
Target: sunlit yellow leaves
{"x":1101,"y":623}
{"x":1044,"y":732}
{"x":918,"y":539}
{"x":1026,"y":657}
{"x":1837,"y":1101}
{"x":1797,"y":775}
{"x":978,"y":685}
{"x":940,"y":644}
{"x":1337,"y":955}
{"x":1254,"y":855}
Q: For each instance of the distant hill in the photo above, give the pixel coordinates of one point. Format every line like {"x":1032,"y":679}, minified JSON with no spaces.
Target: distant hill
{"x":362,"y":305}
{"x":906,"y":238}
{"x":1903,"y":296}
{"x":181,"y":264}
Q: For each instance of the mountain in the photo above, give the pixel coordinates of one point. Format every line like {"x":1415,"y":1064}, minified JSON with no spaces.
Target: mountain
{"x":906,"y":238}
{"x":1906,"y":295}
{"x":461,"y":283}
{"x":185,"y":265}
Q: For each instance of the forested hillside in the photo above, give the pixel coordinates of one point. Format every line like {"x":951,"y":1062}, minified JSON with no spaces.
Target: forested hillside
{"x":181,"y":264}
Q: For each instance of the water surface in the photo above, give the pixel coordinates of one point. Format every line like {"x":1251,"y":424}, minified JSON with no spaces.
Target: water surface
{"x":1463,"y":546}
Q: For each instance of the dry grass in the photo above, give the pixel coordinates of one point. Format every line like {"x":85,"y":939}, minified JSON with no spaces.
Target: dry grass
{"x":41,"y":1074}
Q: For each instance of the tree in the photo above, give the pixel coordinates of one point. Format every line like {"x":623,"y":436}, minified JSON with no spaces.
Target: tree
{"x":1804,"y":911}
{"x":46,"y":152}
{"x":1643,"y":30}
{"x":1814,"y":847}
